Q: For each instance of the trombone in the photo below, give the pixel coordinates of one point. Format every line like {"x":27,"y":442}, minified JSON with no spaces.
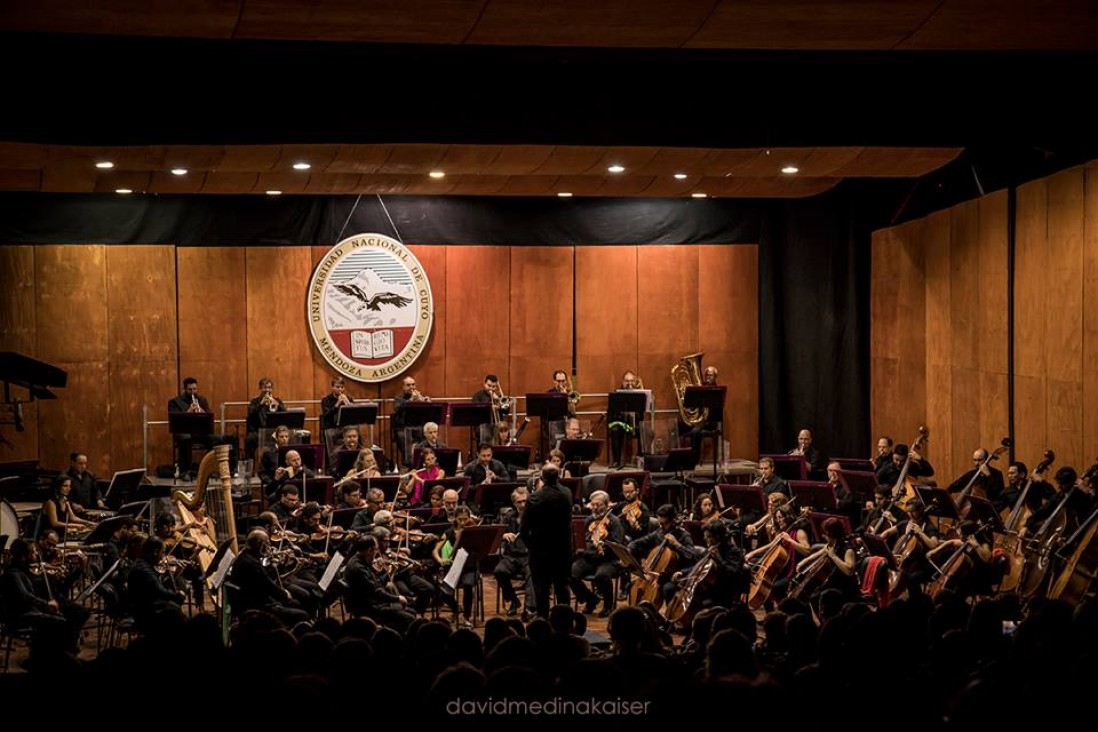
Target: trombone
{"x":573,"y":395}
{"x":500,"y":403}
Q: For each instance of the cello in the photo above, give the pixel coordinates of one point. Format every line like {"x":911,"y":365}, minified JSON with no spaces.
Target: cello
{"x":661,"y":560}
{"x":682,"y":608}
{"x":770,"y":568}
{"x":1080,"y":568}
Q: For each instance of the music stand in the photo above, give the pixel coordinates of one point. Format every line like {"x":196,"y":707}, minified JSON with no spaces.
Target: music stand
{"x":293,"y":419}
{"x":748,"y":499}
{"x":471,"y":415}
{"x":344,"y":517}
{"x":629,"y":401}
{"x":862,"y":485}
{"x":628,"y":562}
{"x":491,"y":497}
{"x":548,"y":406}
{"x":104,"y":529}
{"x":223,"y":547}
{"x":319,"y":489}
{"x":878,"y":548}
{"x":983,"y":512}
{"x":789,"y":467}
{"x":815,"y":494}
{"x":124,"y":483}
{"x":517,"y":457}
{"x":357,"y":413}
{"x":679,"y":460}
{"x":580,"y":453}
{"x":859,"y":464}
{"x":938,"y":502}
{"x":387,"y":483}
{"x":711,"y":397}
{"x":480,"y":541}
{"x":615,"y":480}
{"x":192,"y":425}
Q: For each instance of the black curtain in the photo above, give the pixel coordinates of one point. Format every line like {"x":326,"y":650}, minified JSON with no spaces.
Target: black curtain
{"x":814,"y":325}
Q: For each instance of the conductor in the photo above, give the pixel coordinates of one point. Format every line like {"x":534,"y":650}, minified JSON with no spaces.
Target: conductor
{"x":547,"y":532}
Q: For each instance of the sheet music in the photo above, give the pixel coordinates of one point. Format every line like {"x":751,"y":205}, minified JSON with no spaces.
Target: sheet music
{"x":451,"y":579}
{"x":330,"y":571}
{"x":222,"y":569}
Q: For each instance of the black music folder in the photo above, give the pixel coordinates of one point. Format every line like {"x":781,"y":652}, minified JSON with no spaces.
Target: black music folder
{"x":356,"y":413}
{"x":190,"y":423}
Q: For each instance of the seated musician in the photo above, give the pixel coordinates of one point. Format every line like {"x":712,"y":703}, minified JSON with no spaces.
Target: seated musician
{"x":115,"y":546}
{"x":486,"y":469}
{"x":883,"y":511}
{"x":788,"y":533}
{"x":705,"y":510}
{"x":811,"y":455}
{"x":146,"y":591}
{"x":984,"y":479}
{"x":847,"y":506}
{"x":284,"y":551}
{"x":976,"y":543}
{"x":286,"y":508}
{"x":85,"y":487}
{"x":764,"y":528}
{"x":889,"y":472}
{"x":394,"y":544}
{"x":180,"y":552}
{"x":61,"y":571}
{"x":293,"y":471}
{"x":59,"y":513}
{"x":732,"y":578}
{"x":51,"y":617}
{"x":838,"y":552}
{"x":514,"y":560}
{"x":444,"y":555}
{"x":668,"y":535}
{"x":351,"y":439}
{"x":350,"y":496}
{"x":1076,"y":509}
{"x":430,"y":437}
{"x":436,"y":502}
{"x":595,"y":559}
{"x":367,"y":593}
{"x":769,"y":480}
{"x":912,"y":538}
{"x":503,"y":432}
{"x":636,"y":518}
{"x":256,"y":585}
{"x":364,"y":519}
{"x":268,"y":461}
{"x":883,"y":454}
{"x":571,"y":431}
{"x":365,"y":466}
{"x":556,"y":457}
{"x":431,"y":470}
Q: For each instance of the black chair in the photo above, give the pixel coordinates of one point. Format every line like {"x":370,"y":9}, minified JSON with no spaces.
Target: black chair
{"x":11,"y":633}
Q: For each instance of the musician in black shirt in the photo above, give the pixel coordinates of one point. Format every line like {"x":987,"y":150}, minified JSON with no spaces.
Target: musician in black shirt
{"x":486,"y":469}
{"x":367,"y":593}
{"x":987,"y":478}
{"x":889,"y":473}
{"x":85,"y":488}
{"x":260,"y":409}
{"x":673,"y":537}
{"x":513,"y":562}
{"x":596,"y":560}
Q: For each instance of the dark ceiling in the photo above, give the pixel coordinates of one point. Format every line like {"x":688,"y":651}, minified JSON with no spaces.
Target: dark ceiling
{"x":1004,"y":81}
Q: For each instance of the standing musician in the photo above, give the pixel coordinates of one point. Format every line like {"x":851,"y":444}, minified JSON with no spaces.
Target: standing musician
{"x":987,"y":479}
{"x":626,"y":425}
{"x":595,"y":559}
{"x":486,"y":469}
{"x":912,"y":539}
{"x":293,"y":471}
{"x":369,"y":593}
{"x":259,"y":410}
{"x":838,"y":552}
{"x":889,"y":472}
{"x":513,"y":562}
{"x":883,"y":455}
{"x":492,"y":394}
{"x":402,"y":434}
{"x":669,"y":535}
{"x":796,"y":542}
{"x":329,"y":410}
{"x":816,"y":461}
{"x":431,"y":470}
{"x":189,"y":400}
{"x":59,"y":513}
{"x":551,"y":430}
{"x":1076,"y":497}
{"x":85,"y":487}
{"x":847,"y":506}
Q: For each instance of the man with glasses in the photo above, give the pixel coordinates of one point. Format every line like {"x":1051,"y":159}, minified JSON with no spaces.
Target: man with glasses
{"x":514,"y":562}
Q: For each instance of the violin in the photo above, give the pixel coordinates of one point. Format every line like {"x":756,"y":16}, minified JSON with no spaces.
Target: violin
{"x":599,"y":531}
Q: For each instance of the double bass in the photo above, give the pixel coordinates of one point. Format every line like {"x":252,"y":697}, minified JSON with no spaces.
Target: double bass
{"x":903,"y":493}
{"x":1010,"y":541}
{"x":1081,"y":567}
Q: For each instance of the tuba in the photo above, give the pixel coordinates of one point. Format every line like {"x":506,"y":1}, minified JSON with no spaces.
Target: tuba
{"x":687,"y":372}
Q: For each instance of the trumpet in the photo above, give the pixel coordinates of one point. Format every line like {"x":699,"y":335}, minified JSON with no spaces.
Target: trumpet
{"x":269,"y":400}
{"x":343,"y":400}
{"x":417,"y":397}
{"x":195,"y":406}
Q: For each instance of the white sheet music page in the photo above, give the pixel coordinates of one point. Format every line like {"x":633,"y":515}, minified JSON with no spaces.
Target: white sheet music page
{"x":330,"y":571}
{"x":451,"y":579}
{"x":223,"y":568}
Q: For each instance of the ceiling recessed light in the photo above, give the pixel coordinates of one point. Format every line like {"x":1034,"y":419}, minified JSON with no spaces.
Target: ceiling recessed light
{"x":104,"y":165}
{"x":698,"y":195}
{"x":437,"y":174}
{"x":564,"y":194}
{"x":179,"y":171}
{"x":790,"y":169}
{"x":274,"y":193}
{"x":302,"y":166}
{"x":680,"y":176}
{"x":123,"y":190}
{"x":616,"y":169}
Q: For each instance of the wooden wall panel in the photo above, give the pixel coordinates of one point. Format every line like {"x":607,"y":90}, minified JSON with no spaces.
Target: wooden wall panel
{"x":991,"y":330}
{"x":478,"y":318}
{"x":430,"y":369}
{"x":1031,"y":307}
{"x":141,"y":333}
{"x":213,"y":330}
{"x":1090,"y":315}
{"x":279,"y":344}
{"x":667,"y":319}
{"x":606,"y":318}
{"x":728,"y":333}
{"x":18,"y":333}
{"x":939,"y":344}
{"x":541,"y":318}
{"x":71,"y":323}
